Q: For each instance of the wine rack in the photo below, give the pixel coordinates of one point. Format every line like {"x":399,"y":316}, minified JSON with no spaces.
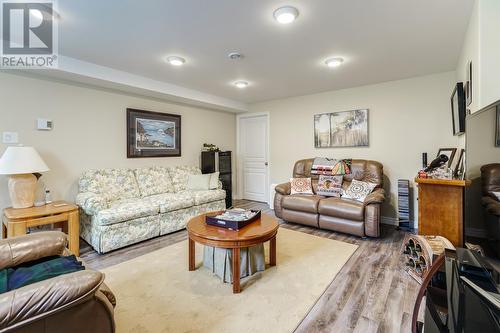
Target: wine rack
{"x":420,"y":252}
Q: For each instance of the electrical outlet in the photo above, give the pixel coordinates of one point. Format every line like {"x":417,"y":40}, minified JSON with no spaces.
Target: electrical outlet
{"x":10,"y":137}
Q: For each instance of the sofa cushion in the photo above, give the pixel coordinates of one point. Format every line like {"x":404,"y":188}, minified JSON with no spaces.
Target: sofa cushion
{"x":169,"y":202}
{"x":296,"y":216}
{"x":301,"y":186}
{"x":115,"y":184}
{"x":202,"y":197}
{"x":180,"y":176}
{"x":342,"y":225}
{"x":358,"y":190}
{"x":302,"y":203}
{"x":214,"y":181}
{"x":198,"y":182}
{"x":154,"y":180}
{"x":125,"y":210}
{"x":342,"y":208}
{"x":330,"y":186}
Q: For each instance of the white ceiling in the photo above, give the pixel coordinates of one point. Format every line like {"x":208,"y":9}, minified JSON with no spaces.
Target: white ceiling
{"x":381,"y":40}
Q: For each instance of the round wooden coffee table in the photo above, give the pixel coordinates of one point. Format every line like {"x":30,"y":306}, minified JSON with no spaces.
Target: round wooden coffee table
{"x":262,"y":230}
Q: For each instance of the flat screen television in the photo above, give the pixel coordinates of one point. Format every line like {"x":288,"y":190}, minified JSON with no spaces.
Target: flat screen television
{"x":480,"y":150}
{"x":458,"y":109}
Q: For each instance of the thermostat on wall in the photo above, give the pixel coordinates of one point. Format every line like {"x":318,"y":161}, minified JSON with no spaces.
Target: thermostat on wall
{"x":44,"y":124}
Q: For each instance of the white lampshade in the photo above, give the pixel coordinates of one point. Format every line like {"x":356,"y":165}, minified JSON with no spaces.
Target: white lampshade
{"x":21,"y":160}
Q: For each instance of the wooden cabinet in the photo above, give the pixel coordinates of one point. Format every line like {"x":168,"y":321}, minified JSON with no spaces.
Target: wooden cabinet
{"x":441,"y":208}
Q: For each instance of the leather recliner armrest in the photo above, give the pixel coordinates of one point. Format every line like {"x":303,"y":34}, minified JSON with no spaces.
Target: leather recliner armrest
{"x":493,"y":196}
{"x":284,"y":188}
{"x":376,"y":197}
{"x":486,"y":200}
{"x":17,"y":250}
{"x":494,"y":208}
{"x":34,"y":301}
{"x":108,"y":293}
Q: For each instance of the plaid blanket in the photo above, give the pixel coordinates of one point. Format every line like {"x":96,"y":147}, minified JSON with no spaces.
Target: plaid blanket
{"x":330,"y":166}
{"x":13,"y":278}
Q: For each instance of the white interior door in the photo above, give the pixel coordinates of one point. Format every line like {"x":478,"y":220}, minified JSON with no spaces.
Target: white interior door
{"x":253,"y":157}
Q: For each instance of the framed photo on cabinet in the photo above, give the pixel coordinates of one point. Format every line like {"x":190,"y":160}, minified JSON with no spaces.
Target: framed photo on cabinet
{"x":450,"y":152}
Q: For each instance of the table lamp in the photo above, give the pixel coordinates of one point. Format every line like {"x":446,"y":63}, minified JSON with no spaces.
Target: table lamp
{"x":19,"y":163}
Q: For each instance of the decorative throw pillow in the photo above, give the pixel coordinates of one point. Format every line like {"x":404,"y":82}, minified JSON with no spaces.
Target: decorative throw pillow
{"x":198,"y":182}
{"x":358,"y":190}
{"x":330,"y":186}
{"x":301,"y":186}
{"x":214,"y":181}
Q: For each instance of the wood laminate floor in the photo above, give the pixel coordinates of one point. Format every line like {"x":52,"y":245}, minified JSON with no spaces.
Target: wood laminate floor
{"x":371,"y":293}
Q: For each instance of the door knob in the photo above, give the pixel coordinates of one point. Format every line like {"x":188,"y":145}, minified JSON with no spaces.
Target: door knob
{"x":266,"y":164}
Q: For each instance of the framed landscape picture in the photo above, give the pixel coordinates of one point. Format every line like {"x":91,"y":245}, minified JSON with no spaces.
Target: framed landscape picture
{"x":153,"y":134}
{"x":341,"y":129}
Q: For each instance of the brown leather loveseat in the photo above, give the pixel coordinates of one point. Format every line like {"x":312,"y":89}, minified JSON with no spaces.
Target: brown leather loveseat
{"x":337,"y":214}
{"x":74,"y":302}
{"x":490,"y":180}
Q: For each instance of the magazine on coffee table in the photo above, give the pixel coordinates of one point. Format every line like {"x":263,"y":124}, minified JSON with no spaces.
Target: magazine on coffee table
{"x":235,"y":218}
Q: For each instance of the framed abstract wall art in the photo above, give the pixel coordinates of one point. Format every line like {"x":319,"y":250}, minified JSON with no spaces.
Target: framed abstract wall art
{"x":341,"y":129}
{"x":153,"y":134}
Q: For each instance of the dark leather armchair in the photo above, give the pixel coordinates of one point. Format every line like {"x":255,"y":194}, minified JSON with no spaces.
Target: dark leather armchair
{"x":75,"y":302}
{"x":337,"y":214}
{"x":490,"y":181}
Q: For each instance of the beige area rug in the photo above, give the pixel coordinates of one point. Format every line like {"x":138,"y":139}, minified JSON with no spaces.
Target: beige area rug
{"x":157,"y":293}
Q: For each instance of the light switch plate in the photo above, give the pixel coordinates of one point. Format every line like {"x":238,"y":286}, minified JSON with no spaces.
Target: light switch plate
{"x":44,"y":124}
{"x":10,"y":137}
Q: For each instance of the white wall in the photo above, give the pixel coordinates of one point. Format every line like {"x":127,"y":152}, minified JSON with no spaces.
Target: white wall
{"x":482,"y":47}
{"x":90,"y":129}
{"x":489,"y":51}
{"x":470,"y":52}
{"x":406,"y":118}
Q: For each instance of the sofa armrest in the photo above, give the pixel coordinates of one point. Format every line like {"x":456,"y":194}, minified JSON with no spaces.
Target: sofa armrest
{"x":372,"y":220}
{"x":104,"y":289}
{"x":376,"y":197}
{"x":493,"y":196}
{"x":487,"y":200}
{"x":40,"y":299}
{"x":91,"y":203}
{"x":493,"y":208}
{"x":284,"y":189}
{"x":17,"y":250}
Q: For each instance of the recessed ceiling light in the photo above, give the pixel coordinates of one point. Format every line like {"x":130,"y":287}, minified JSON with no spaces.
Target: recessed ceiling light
{"x":285,"y":15}
{"x":241,"y":84}
{"x":176,"y":61}
{"x":235,"y":56}
{"x":334,"y":62}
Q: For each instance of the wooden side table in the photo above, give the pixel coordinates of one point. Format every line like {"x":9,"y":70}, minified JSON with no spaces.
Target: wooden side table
{"x":65,"y":214}
{"x":441,"y":208}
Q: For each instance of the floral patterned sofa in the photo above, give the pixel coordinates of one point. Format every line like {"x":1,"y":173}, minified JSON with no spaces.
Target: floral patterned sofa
{"x":119,"y":207}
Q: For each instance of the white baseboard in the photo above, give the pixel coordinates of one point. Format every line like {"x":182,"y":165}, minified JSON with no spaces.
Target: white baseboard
{"x":475,"y":232}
